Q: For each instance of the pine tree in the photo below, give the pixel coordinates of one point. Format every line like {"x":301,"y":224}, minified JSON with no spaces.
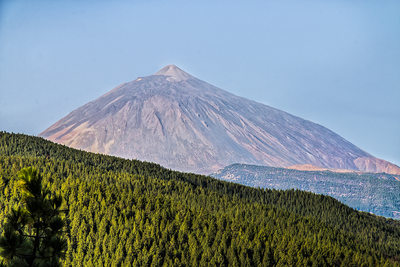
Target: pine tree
{"x":32,"y":234}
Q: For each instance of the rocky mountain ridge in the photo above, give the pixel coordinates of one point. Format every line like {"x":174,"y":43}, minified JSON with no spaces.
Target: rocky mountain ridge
{"x":371,"y":192}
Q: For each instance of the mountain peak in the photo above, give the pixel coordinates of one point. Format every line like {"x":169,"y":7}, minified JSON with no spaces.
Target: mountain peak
{"x":183,"y":123}
{"x":174,"y":73}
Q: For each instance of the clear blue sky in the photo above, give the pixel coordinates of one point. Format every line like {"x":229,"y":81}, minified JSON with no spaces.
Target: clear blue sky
{"x":336,"y":63}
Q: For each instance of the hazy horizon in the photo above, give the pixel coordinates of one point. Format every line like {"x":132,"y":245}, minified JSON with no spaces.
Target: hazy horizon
{"x":334,"y":63}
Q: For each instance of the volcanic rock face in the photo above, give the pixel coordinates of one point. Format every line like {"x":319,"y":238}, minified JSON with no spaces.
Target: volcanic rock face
{"x":186,"y":124}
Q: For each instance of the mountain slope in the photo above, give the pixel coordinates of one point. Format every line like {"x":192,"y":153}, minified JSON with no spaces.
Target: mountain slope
{"x":126,"y":212}
{"x":371,"y":192}
{"x":183,"y":123}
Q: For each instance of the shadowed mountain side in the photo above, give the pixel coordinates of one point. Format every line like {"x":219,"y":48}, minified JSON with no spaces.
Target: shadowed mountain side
{"x":186,"y":124}
{"x":371,"y":192}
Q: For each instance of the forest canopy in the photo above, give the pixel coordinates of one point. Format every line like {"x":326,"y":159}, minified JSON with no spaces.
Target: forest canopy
{"x":128,"y":212}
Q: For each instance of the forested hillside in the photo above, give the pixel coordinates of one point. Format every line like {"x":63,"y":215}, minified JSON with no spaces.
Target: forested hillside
{"x":126,"y":212}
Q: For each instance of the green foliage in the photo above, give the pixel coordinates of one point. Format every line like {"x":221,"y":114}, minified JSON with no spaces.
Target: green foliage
{"x":32,"y":232}
{"x":127,"y":213}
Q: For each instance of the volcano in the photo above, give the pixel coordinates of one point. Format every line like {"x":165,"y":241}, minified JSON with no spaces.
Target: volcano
{"x":186,"y":124}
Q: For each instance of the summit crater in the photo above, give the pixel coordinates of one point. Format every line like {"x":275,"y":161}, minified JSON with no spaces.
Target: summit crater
{"x":174,"y":73}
